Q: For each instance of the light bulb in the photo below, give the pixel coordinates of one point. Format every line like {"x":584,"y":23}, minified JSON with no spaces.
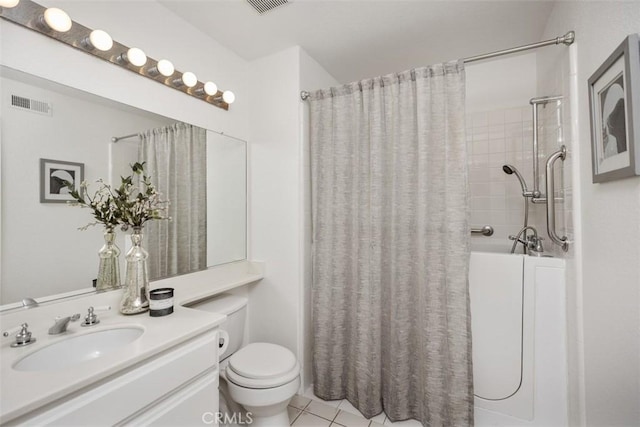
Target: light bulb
{"x":57,"y":19}
{"x":228,"y":97}
{"x":189,"y":79}
{"x":136,"y":57}
{"x":98,"y":39}
{"x":210,"y":88}
{"x":9,"y":3}
{"x":165,"y":67}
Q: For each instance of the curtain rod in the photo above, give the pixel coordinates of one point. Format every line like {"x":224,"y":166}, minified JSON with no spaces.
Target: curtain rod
{"x":567,"y":40}
{"x":118,"y":138}
{"x":115,"y":139}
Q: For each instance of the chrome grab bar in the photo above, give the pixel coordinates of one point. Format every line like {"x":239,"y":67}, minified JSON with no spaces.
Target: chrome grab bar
{"x":537,"y":196}
{"x":487,"y":230}
{"x":551,"y":200}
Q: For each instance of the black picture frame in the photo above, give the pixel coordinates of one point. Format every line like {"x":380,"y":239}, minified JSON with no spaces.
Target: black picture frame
{"x":53,"y":173}
{"x":614,"y":100}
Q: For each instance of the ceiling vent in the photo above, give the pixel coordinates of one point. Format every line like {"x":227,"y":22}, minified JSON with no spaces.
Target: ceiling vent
{"x":263,"y":6}
{"x":32,"y":105}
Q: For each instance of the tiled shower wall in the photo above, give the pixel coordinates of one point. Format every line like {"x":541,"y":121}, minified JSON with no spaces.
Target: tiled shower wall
{"x":505,"y":136}
{"x":496,"y":138}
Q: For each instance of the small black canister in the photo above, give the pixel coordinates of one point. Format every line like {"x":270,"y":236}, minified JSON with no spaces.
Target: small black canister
{"x":161,"y":302}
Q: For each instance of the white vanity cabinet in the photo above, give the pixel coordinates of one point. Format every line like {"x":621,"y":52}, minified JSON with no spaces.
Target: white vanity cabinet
{"x":178,"y":387}
{"x":167,"y":376}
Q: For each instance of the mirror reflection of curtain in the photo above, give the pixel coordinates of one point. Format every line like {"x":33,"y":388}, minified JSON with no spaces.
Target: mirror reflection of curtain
{"x":175,"y":159}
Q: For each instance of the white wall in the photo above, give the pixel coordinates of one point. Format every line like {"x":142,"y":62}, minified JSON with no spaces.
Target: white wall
{"x":609,"y":218}
{"x":500,"y":83}
{"x":280,"y":216}
{"x":275,"y":202}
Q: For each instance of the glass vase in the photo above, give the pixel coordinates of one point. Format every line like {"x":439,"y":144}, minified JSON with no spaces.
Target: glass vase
{"x":109,"y":266}
{"x":136,"y":286}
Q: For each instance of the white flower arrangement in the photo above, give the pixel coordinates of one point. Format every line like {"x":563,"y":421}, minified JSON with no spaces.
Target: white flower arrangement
{"x":125,"y":206}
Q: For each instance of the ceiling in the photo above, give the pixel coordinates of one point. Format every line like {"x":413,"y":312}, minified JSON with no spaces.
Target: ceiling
{"x":356,"y":39}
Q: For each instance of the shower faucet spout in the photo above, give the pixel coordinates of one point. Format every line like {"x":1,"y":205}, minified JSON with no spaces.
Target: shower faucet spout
{"x":532,"y":243}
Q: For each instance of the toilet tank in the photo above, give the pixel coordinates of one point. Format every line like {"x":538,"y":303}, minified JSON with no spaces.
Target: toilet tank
{"x":235,"y":308}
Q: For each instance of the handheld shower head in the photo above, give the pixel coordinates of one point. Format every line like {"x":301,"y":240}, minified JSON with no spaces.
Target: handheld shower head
{"x":510,"y":170}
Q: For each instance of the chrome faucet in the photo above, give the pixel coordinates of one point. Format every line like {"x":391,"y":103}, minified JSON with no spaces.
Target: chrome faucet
{"x":29,"y":303}
{"x":61,"y":323}
{"x":23,"y":336}
{"x":532,"y":244}
{"x":92,"y":319}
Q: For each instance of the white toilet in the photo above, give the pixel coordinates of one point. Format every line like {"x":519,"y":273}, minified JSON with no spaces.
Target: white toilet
{"x":262,"y":377}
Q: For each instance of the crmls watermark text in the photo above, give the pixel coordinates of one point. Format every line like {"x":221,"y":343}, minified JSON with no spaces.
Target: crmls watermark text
{"x":235,"y":418}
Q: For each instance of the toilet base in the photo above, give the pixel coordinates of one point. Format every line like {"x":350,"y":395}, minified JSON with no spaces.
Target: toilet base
{"x":231,"y":412}
{"x":268,"y":407}
{"x":278,"y":419}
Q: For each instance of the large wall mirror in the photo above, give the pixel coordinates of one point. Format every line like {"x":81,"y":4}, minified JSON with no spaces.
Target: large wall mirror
{"x":43,"y":252}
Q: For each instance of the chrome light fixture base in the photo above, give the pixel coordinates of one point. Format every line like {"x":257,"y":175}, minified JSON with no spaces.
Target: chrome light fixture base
{"x":28,"y":14}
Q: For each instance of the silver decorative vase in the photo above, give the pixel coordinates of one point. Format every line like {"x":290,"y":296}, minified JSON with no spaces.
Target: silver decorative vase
{"x":136,"y":286}
{"x":109,"y":266}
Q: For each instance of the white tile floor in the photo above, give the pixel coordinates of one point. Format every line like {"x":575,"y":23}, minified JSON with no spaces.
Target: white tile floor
{"x":310,"y":411}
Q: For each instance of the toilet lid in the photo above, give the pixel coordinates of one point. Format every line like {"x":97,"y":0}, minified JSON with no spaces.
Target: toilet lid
{"x":271,"y":383}
{"x":262,"y":361}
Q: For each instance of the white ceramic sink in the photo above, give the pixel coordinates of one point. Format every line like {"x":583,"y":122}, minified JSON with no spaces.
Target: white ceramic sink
{"x":78,"y":349}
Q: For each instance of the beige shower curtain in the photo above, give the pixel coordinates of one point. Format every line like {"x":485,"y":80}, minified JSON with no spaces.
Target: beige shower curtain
{"x":391,"y":246}
{"x":175,"y":159}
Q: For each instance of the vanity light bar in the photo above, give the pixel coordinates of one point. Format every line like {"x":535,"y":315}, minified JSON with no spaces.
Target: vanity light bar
{"x":29,"y":14}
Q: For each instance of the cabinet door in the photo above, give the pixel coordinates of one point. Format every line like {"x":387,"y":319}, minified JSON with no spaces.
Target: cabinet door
{"x":196,"y":404}
{"x":134,"y":391}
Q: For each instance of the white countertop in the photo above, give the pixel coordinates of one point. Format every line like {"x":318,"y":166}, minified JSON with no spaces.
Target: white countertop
{"x":22,"y":392}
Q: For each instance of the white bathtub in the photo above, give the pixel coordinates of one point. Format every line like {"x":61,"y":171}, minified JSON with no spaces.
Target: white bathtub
{"x":519,"y":340}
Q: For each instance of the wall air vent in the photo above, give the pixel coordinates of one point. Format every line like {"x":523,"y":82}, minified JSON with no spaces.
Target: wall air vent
{"x":32,"y":105}
{"x":263,"y":6}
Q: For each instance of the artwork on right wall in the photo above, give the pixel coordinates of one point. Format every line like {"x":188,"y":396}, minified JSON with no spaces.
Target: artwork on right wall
{"x":614,"y":98}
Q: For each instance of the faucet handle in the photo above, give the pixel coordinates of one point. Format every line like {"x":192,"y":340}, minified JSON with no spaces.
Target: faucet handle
{"x":535,"y":244}
{"x":92,"y":319}
{"x":23,"y":336}
{"x":517,"y":238}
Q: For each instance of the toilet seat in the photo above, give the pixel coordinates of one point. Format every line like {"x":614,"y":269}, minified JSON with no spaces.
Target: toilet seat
{"x":262,"y":365}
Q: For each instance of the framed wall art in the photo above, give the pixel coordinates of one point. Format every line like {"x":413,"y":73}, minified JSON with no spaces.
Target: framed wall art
{"x":614,"y":99}
{"x":54,"y":176}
